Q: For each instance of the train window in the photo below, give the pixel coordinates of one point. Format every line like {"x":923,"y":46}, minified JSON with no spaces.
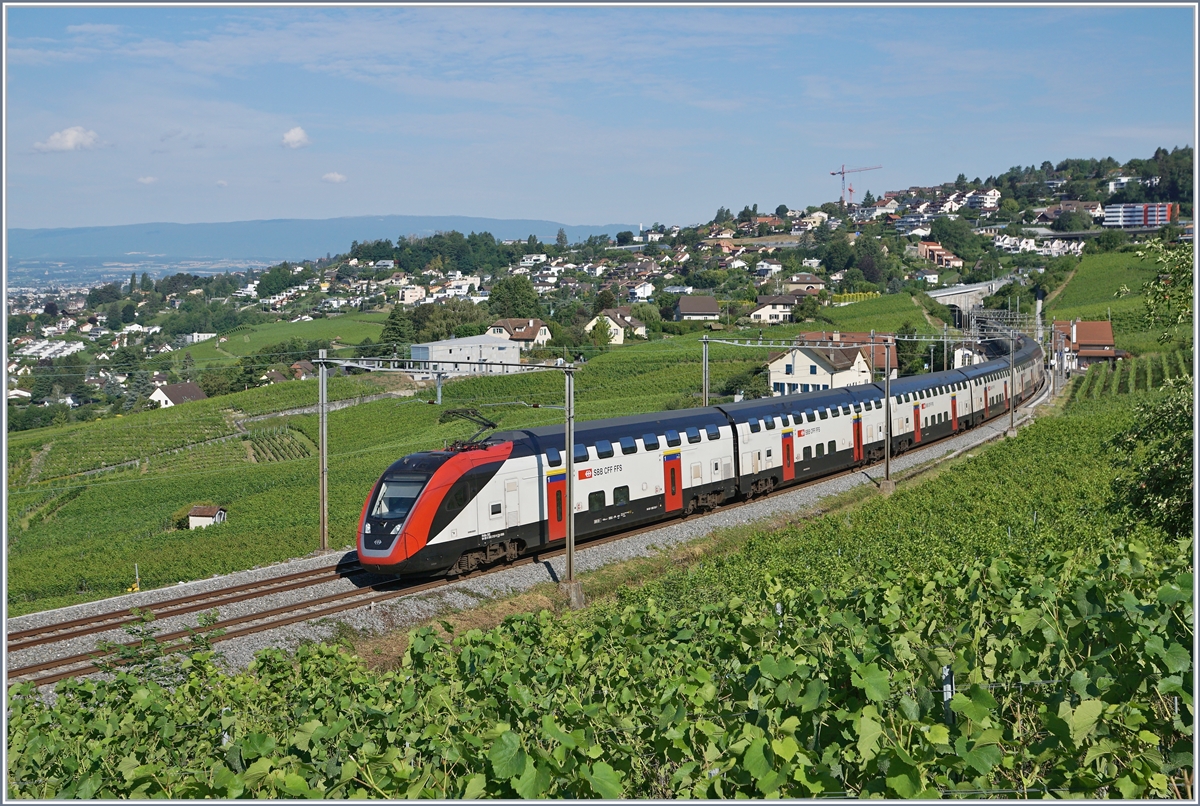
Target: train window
{"x":820,"y":450}
{"x":769,"y":422}
{"x":837,"y":411}
{"x":858,"y":407}
{"x":832,"y":446}
{"x":879,"y":404}
{"x":673,"y":438}
{"x":807,"y":452}
{"x":604,"y":449}
{"x":824,"y":414}
{"x":495,"y":509}
{"x":554,"y":457}
{"x":796,"y":418}
{"x":650,"y":442}
{"x":558,"y":508}
{"x":674,"y":488}
{"x":628,"y":446}
{"x":712,"y":431}
{"x":808,"y":415}
{"x":596,"y":501}
{"x":755,"y":425}
{"x":581,"y":453}
{"x":457,"y":499}
{"x":620,"y":496}
{"x":693,"y":435}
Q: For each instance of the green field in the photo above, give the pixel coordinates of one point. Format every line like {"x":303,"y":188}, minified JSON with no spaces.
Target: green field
{"x":1092,"y":295}
{"x":350,"y":328}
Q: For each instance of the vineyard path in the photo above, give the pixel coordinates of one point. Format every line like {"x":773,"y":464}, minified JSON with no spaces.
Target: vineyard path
{"x":1050,"y":297}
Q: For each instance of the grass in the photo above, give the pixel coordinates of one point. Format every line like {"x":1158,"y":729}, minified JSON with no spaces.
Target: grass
{"x":345,"y":329}
{"x":1097,"y":280}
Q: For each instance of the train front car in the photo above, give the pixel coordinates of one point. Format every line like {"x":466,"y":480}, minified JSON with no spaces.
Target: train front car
{"x":408,"y":525}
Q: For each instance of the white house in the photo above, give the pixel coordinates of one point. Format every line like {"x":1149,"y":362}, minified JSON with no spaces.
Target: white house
{"x":773,"y":310}
{"x":469,"y":356}
{"x":193,"y":338}
{"x":528,"y":333}
{"x":176,"y":393}
{"x":411,"y":293}
{"x":809,"y":369}
{"x":619,"y":320}
{"x":533,"y":260}
{"x":203,"y":517}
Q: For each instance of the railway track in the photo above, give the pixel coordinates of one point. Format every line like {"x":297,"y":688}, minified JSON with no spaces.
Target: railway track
{"x":83,"y":663}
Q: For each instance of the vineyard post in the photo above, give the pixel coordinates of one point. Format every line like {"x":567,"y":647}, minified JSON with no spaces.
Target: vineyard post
{"x":324,"y":448}
{"x":704,"y":343}
{"x":887,"y":486}
{"x":573,"y":588}
{"x":439,"y":388}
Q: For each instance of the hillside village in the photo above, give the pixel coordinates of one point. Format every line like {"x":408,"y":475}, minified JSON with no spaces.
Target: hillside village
{"x":85,"y":352}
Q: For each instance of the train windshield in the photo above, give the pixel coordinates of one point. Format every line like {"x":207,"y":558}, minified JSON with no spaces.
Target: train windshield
{"x":397,"y":495}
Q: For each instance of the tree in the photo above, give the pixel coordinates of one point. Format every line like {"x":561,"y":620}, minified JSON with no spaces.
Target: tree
{"x":909,"y":356}
{"x":141,"y":386}
{"x":51,"y":310}
{"x":647,"y":314}
{"x":723,"y":215}
{"x":128,"y":313}
{"x":133,"y":284}
{"x":1154,"y":459}
{"x":112,"y":389}
{"x":561,"y":239}
{"x":781,"y":211}
{"x":532,"y":242}
{"x":1072,"y":221}
{"x":605,"y":299}
{"x":868,"y":199}
{"x":1168,"y":297}
{"x":601,"y":334}
{"x":838,"y":254}
{"x":624,"y":238}
{"x":960,"y":183}
{"x":189,"y":367}
{"x":514,"y":298}
{"x":398,"y":329}
{"x":147,"y":283}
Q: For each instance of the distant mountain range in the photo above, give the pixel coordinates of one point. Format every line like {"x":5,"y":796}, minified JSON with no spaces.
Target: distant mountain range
{"x":271,"y":241}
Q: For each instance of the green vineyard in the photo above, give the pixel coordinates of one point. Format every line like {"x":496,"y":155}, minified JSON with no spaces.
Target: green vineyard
{"x":949,"y":641}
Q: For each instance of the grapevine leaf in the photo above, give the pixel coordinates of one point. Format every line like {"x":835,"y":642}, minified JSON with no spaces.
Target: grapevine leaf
{"x":872,"y":680}
{"x":869,"y":731}
{"x":476,"y":786}
{"x":1177,"y":658}
{"x":755,"y":759}
{"x":903,"y":779}
{"x":507,"y":757}
{"x":604,"y":780}
{"x":533,"y":782}
{"x":1084,"y":718}
{"x":984,"y":758}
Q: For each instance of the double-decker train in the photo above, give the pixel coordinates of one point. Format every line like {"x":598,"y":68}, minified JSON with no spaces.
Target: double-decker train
{"x":452,"y":511}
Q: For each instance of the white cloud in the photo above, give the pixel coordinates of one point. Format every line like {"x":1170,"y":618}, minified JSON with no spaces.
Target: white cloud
{"x":147,"y":180}
{"x":222,"y":183}
{"x":71,"y":139}
{"x":296,"y":138}
{"x":334,"y":177}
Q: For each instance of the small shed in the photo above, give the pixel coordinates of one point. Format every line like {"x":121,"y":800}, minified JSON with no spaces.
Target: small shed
{"x":201,"y":517}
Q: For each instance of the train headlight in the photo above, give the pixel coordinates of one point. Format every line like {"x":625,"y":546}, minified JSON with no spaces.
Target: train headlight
{"x":367,"y":529}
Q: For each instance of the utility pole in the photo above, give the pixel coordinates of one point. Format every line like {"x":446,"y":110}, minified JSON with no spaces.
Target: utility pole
{"x":570,"y":585}
{"x":945,"y":346}
{"x":1012,"y":384}
{"x":704,"y":342}
{"x":887,"y":486}
{"x":323,"y":406}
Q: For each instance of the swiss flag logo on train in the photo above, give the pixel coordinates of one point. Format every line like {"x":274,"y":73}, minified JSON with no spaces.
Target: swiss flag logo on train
{"x":585,"y":474}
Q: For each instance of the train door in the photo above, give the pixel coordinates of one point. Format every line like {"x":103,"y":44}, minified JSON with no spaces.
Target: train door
{"x":954,"y":413}
{"x":673,"y":481}
{"x":916,"y":421}
{"x":987,"y":403}
{"x":556,"y":496}
{"x":856,"y":431}
{"x":789,"y":460}
{"x":1007,"y":402}
{"x":512,"y":504}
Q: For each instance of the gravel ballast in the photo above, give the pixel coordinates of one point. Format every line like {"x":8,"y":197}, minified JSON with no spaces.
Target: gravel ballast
{"x":407,"y":611}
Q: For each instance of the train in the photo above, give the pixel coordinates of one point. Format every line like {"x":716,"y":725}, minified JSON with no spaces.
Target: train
{"x":450,"y":512}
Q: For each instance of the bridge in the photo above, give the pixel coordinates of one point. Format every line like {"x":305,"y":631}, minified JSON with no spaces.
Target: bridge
{"x":961,"y":298}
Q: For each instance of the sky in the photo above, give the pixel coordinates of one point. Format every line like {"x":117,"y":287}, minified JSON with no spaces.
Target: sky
{"x":583,"y":115}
